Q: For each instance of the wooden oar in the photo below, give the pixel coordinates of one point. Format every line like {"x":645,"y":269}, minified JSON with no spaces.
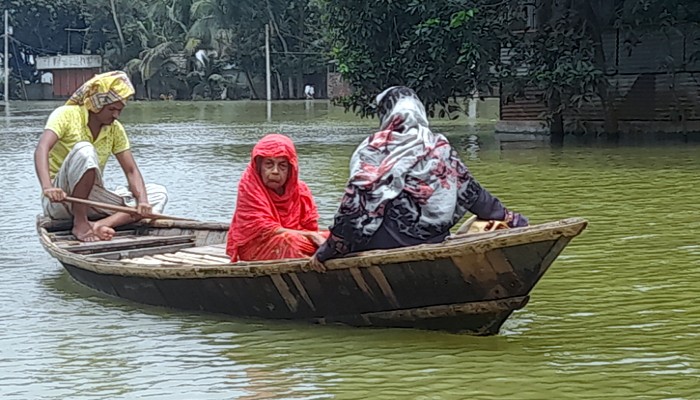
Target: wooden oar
{"x":128,"y":210}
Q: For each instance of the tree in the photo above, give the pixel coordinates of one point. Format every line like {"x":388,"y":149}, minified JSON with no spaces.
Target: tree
{"x":156,"y":40}
{"x":235,"y":31}
{"x":145,"y":41}
{"x":561,"y":59}
{"x":40,"y":29}
{"x":119,"y":34}
{"x":564,"y":56}
{"x":443,"y":50}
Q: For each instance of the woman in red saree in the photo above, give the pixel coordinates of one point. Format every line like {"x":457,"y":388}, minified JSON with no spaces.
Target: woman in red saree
{"x":276,"y":216}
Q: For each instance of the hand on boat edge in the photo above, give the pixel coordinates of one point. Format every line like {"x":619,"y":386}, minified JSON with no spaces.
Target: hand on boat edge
{"x":316,"y":265}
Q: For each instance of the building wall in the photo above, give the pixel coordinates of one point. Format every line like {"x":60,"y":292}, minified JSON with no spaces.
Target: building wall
{"x":39,"y":91}
{"x":69,"y":71}
{"x":646,"y":93}
{"x":66,"y":81}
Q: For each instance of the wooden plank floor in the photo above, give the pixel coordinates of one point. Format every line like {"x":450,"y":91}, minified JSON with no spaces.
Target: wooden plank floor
{"x":205,"y":255}
{"x":213,"y":250}
{"x":127,"y":246}
{"x":126,"y":242}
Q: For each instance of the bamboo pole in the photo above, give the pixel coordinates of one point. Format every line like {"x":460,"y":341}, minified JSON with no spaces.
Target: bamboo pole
{"x":267,"y":62}
{"x":6,"y":60}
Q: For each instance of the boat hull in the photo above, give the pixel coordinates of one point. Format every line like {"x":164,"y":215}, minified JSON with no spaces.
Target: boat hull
{"x":464,"y":286}
{"x":223,"y":296}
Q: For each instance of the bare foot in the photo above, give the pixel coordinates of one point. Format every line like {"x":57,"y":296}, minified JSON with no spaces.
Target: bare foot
{"x":85,"y":235}
{"x":103,"y":232}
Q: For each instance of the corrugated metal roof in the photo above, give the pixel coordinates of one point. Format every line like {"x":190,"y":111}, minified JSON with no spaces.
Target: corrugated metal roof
{"x":642,"y":97}
{"x":657,"y":79}
{"x":528,"y":108}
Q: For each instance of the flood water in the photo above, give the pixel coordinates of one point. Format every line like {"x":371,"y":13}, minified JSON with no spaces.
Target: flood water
{"x":616,"y":317}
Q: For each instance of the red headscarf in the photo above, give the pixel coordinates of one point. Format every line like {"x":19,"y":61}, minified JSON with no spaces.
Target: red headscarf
{"x":260,"y":211}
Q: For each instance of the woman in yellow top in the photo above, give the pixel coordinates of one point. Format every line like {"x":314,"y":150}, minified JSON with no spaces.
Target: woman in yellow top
{"x":72,"y":152}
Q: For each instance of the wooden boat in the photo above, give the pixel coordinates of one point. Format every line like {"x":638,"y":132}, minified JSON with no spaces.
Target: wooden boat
{"x":470,"y":283}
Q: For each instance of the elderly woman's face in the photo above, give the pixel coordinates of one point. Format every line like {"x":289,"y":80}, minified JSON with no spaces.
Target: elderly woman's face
{"x":274,"y":172}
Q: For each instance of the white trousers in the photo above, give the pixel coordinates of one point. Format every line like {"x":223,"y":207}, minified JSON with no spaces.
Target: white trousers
{"x":81,"y":159}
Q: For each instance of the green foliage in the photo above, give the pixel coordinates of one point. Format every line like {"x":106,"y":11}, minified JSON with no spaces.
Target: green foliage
{"x":443,"y":50}
{"x":40,"y":28}
{"x":453,"y":48}
{"x":41,"y":24}
{"x":236,"y":31}
{"x":152,"y":38}
{"x":144,"y":27}
{"x":563,"y":58}
{"x":558,"y":61}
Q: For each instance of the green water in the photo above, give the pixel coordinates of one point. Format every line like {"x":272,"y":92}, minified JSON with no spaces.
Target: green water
{"x":616,"y":317}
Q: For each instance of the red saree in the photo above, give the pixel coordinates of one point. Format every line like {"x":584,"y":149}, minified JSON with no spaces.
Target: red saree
{"x":260,"y":212}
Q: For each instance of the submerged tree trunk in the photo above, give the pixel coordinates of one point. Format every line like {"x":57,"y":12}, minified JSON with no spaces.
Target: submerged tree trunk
{"x":606,"y":94}
{"x":556,"y":127}
{"x":547,"y":14}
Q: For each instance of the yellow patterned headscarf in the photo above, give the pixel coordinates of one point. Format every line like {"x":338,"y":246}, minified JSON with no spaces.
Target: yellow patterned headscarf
{"x":103,"y":89}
